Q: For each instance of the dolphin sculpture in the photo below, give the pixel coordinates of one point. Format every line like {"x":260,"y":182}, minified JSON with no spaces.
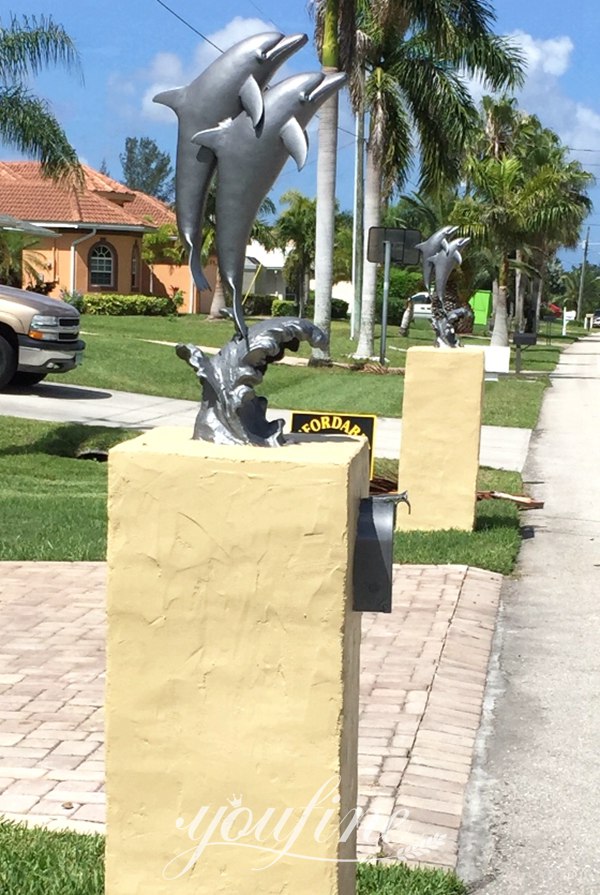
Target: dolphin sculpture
{"x":250,"y":161}
{"x":232,"y":83}
{"x":430,"y":247}
{"x":444,"y":263}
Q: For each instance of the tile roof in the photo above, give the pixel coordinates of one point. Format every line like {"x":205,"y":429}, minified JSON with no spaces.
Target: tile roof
{"x":25,"y":194}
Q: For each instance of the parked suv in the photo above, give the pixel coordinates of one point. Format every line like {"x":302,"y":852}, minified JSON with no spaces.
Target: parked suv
{"x":38,"y":335}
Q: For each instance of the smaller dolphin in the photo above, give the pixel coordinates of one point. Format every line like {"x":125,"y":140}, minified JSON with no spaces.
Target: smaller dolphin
{"x":230,"y":84}
{"x":249,"y":161}
{"x":444,"y":263}
{"x":430,"y":247}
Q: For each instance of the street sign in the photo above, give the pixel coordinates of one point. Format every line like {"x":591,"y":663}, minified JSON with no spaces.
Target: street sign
{"x":402,"y":244}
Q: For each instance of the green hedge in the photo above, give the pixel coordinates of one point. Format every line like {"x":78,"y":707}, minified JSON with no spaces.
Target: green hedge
{"x":259,"y":305}
{"x":403,"y":284}
{"x":281,"y":308}
{"x":114,"y":305}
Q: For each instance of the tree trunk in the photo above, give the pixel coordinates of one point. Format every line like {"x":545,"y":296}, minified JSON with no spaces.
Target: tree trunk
{"x":218,"y":300}
{"x":366,"y":340}
{"x":358,"y":224}
{"x":326,"y":173}
{"x":519,"y":294}
{"x":500,"y":333}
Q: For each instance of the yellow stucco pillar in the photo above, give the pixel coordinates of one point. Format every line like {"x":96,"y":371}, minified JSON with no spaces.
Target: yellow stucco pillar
{"x":441,"y":431}
{"x":233,"y":659}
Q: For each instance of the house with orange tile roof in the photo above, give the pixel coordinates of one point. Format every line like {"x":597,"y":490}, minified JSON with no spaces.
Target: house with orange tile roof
{"x":99,"y":235}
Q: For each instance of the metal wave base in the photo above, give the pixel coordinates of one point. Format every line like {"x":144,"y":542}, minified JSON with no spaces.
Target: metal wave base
{"x":230,"y":410}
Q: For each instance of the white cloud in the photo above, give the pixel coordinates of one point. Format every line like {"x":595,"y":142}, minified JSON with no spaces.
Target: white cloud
{"x":543,"y":94}
{"x":548,"y":57}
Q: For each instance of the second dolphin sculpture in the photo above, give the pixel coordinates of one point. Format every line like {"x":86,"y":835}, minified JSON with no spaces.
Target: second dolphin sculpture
{"x":231,"y":84}
{"x":440,"y":257}
{"x":249,"y":161}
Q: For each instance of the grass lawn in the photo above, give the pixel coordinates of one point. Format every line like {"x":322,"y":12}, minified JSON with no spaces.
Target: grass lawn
{"x":495,"y":543}
{"x":117,"y":357}
{"x":39,"y":862}
{"x":53,"y":506}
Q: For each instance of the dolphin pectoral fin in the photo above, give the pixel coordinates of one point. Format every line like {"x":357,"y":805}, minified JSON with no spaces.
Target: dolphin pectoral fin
{"x":171,"y":98}
{"x":252,"y":100}
{"x":213,"y":136}
{"x":295,"y":141}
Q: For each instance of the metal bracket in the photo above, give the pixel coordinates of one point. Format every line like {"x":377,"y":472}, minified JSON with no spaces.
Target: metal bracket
{"x":373,"y":553}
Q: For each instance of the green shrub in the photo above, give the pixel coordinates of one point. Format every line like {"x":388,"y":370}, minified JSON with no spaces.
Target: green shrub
{"x":339,"y":309}
{"x":114,"y":305}
{"x":403,"y":284}
{"x":259,"y":305}
{"x":73,"y":298}
{"x":284,"y":309}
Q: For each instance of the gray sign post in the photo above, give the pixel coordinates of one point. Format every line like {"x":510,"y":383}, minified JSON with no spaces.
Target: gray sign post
{"x":387,"y":244}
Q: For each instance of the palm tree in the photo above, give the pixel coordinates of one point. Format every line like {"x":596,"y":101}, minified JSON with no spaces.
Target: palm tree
{"x":296,"y":225}
{"x":19,"y":260}
{"x":414,"y":55}
{"x":27,"y":45}
{"x":334,"y":35}
{"x":512,"y":205}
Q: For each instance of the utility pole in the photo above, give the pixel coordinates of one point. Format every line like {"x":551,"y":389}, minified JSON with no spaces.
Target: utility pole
{"x":581,"y":281}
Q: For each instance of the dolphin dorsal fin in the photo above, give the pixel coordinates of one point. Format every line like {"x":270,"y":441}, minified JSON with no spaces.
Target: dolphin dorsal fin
{"x":295,"y":141}
{"x":171,"y":98}
{"x":252,"y":100}
{"x":213,"y":137}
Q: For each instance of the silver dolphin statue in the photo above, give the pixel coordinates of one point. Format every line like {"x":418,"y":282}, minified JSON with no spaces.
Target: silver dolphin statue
{"x":444,"y":263}
{"x":430,"y":247}
{"x":232,"y":83}
{"x":250,"y":161}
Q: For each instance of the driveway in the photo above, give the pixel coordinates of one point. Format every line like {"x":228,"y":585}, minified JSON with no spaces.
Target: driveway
{"x":501,"y":448}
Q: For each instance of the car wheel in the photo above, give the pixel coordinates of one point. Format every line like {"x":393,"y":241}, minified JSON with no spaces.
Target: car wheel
{"x":8,"y":362}
{"x":27,"y":378}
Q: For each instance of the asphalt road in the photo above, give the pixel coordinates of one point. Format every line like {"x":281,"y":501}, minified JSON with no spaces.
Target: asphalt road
{"x":501,"y":448}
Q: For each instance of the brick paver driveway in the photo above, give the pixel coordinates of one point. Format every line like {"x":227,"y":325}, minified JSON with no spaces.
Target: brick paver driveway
{"x":424,"y":670}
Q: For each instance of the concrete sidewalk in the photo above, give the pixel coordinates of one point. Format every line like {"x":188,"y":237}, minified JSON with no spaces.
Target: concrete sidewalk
{"x":534,"y":813}
{"x":422,"y":682}
{"x":501,"y":448}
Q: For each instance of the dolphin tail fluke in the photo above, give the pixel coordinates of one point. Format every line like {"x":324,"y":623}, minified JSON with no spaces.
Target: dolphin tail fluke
{"x":238,"y":316}
{"x":171,"y":98}
{"x":200,"y":280}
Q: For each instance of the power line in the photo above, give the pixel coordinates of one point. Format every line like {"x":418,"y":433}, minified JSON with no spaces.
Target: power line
{"x":188,"y":25}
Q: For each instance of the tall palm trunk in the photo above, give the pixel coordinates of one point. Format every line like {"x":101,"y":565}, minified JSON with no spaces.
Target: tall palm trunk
{"x":358,"y":247}
{"x":366,"y":339}
{"x":520,"y":282}
{"x":326,"y":174}
{"x":500,"y":333}
{"x":218,"y":300}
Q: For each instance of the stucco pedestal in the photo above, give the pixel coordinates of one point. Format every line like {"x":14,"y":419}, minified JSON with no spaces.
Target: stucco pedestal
{"x":233,"y":660}
{"x":441,"y":432}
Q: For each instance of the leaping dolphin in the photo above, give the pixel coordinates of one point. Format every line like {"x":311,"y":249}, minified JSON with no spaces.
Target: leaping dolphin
{"x":430,"y":247}
{"x":232,"y":83}
{"x":250,"y":161}
{"x":444,"y":263}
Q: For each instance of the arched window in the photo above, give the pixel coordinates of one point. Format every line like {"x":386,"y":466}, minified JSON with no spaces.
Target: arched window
{"x":102,"y":266}
{"x":135,"y":268}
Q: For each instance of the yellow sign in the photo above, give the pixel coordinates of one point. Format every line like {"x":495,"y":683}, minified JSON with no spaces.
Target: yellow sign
{"x":353,"y":424}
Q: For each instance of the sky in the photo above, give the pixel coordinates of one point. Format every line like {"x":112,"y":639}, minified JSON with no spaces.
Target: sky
{"x":132,"y":49}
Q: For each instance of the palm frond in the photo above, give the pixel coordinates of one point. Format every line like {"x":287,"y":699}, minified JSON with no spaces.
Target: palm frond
{"x":30,"y":43}
{"x":27,"y":123}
